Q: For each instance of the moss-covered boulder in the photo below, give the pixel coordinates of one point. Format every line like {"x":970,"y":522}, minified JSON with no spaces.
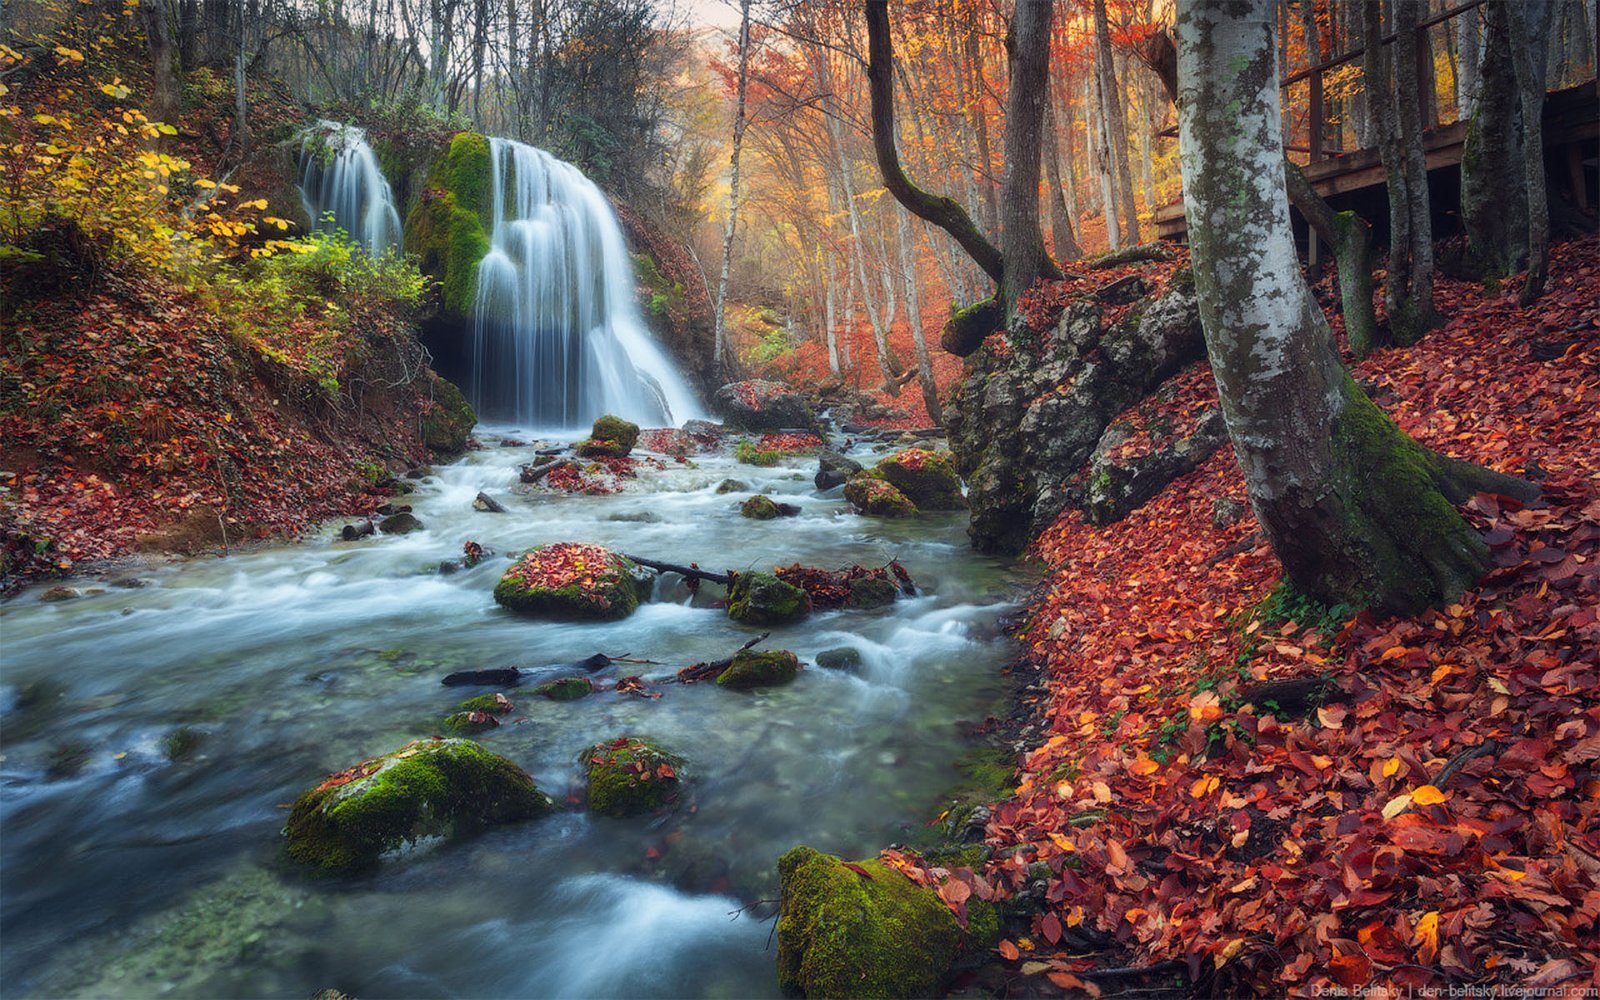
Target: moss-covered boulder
{"x":478,"y":714}
{"x":871,"y":592}
{"x":566,"y":689}
{"x":611,"y":437}
{"x":927,"y":478}
{"x":437,"y":787}
{"x":570,"y":581}
{"x":763,"y":599}
{"x":448,"y":227}
{"x":759,"y":508}
{"x":752,"y":669}
{"x":629,"y":776}
{"x":842,"y":933}
{"x":448,"y":420}
{"x":876,"y":498}
{"x":846,"y":658}
{"x":732,"y":486}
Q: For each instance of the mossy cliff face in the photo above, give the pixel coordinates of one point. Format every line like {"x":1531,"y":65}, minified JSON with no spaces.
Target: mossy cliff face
{"x":629,"y":776}
{"x":842,"y":934}
{"x":573,"y":582}
{"x":751,"y":669}
{"x":426,"y":788}
{"x":763,"y":599}
{"x":448,"y":227}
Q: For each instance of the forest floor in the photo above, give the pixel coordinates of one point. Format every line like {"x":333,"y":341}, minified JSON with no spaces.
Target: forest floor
{"x":1423,"y":807}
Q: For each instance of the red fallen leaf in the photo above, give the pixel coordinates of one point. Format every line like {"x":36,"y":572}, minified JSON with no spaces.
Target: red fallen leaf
{"x":1007,"y":950}
{"x":954,"y":892}
{"x":664,"y":770}
{"x":652,"y":853}
{"x":858,"y":870}
{"x":1050,"y":927}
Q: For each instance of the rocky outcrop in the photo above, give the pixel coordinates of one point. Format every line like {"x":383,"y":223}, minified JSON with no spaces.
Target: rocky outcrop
{"x":673,"y":296}
{"x":570,"y":581}
{"x":448,"y":420}
{"x":1117,"y":486}
{"x":1030,"y":410}
{"x":758,"y":405}
{"x":438,"y":787}
{"x":926,"y":478}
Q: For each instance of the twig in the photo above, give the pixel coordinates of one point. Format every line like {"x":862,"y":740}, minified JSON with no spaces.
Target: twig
{"x":1460,"y":760}
{"x":693,"y":573}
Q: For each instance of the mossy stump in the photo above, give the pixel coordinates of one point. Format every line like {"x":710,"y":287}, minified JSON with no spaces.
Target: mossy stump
{"x":759,"y":508}
{"x":875,"y":498}
{"x":927,"y":478}
{"x":763,"y":599}
{"x":629,"y":776}
{"x":753,"y":669}
{"x":437,"y":787}
{"x":844,"y":934}
{"x":573,"y":582}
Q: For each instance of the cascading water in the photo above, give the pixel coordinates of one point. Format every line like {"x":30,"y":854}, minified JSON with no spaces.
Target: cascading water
{"x":340,"y":178}
{"x":558,"y":338}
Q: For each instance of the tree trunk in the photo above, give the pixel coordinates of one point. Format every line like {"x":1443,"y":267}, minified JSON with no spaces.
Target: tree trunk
{"x":1102,"y":162}
{"x":919,"y":342}
{"x":1350,"y":238}
{"x":165,"y":100}
{"x":1064,"y":240}
{"x":720,"y":350}
{"x":1357,"y":512}
{"x":1116,"y":122}
{"x":1530,"y":32}
{"x":1469,"y":48}
{"x":1021,"y":239}
{"x":1494,"y":194}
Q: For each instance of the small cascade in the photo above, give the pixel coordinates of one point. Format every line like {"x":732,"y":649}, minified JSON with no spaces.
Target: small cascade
{"x":340,"y":176}
{"x":558,"y":337}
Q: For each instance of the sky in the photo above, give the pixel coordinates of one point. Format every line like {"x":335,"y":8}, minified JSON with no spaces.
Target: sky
{"x":722,"y":14}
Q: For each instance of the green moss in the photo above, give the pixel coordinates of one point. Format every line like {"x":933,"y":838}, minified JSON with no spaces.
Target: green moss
{"x":566,"y":689}
{"x":763,"y":599}
{"x":966,"y":329}
{"x":630,"y":775}
{"x":494,"y":703}
{"x":752,"y":669}
{"x":612,"y":586}
{"x":448,"y":228}
{"x":876,"y":498}
{"x":467,"y":171}
{"x":464,"y":722}
{"x":426,"y":788}
{"x":750,"y":453}
{"x":623,"y":432}
{"x":599,"y":448}
{"x":872,"y":592}
{"x":448,"y":423}
{"x":842,"y":934}
{"x":759,"y":507}
{"x":732,"y":486}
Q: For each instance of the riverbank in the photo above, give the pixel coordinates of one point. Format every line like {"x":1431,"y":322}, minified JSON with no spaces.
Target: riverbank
{"x":1243,"y":791}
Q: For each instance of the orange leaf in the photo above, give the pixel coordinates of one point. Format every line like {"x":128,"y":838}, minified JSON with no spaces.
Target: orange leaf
{"x":1427,"y":795}
{"x":1008,"y":951}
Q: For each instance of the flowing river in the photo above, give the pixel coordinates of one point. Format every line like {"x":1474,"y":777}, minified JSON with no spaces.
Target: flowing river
{"x":127,"y":873}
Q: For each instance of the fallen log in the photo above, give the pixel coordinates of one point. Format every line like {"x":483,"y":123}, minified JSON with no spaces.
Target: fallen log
{"x":512,"y":676}
{"x":352,"y":532}
{"x":530,"y":474}
{"x":488,"y":504}
{"x":710,"y":671}
{"x":691,"y":572}
{"x":1132,"y":255}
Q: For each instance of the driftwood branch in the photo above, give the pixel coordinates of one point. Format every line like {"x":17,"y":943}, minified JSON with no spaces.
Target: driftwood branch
{"x":709,"y":671}
{"x":691,"y":572}
{"x":512,"y":676}
{"x":532,"y":474}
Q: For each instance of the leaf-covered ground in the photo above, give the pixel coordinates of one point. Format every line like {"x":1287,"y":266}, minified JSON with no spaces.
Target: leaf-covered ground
{"x":1429,"y":816}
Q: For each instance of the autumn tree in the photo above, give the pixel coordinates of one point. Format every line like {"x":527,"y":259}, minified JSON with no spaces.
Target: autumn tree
{"x":1357,"y":512}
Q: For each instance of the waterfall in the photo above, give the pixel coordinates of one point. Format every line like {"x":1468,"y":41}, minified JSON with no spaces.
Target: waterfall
{"x":339,"y":175}
{"x":558,"y":337}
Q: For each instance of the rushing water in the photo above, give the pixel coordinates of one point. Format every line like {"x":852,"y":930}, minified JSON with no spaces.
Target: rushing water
{"x":140,"y":876}
{"x":558,"y":338}
{"x":342,"y":187}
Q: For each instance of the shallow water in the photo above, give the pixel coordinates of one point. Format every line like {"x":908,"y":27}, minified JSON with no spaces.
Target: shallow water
{"x":140,"y":876}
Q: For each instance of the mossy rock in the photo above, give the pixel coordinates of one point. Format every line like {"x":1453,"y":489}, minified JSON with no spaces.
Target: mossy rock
{"x":753,"y":669}
{"x":470,"y":723}
{"x":573,"y":582}
{"x":629,"y":776}
{"x":601,"y":448}
{"x":432,"y":787}
{"x":732,"y":486}
{"x":844,"y":934}
{"x":403,"y":523}
{"x":566,"y":689}
{"x":763,"y":599}
{"x":449,"y":420}
{"x":927,"y":478}
{"x":872,"y":592}
{"x":876,"y":498}
{"x":759,"y":508}
{"x":624,"y":433}
{"x":478,"y":714}
{"x":847,"y":658}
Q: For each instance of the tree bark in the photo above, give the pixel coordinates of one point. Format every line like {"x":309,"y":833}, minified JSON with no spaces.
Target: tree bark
{"x":1116,"y":122}
{"x":1350,"y":238}
{"x":720,"y":349}
{"x":1530,"y":30}
{"x":1357,"y":512}
{"x":1021,"y":239}
{"x":1064,"y":240}
{"x":919,"y":342}
{"x":1494,"y":193}
{"x":1469,"y":48}
{"x":165,"y":100}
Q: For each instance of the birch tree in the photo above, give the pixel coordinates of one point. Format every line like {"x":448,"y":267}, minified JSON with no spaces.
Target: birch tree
{"x":720,"y":349}
{"x":1357,"y":512}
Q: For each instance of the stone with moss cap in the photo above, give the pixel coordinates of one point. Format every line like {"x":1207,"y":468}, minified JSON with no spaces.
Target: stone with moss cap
{"x":566,"y":689}
{"x":631,"y":775}
{"x":480,"y":713}
{"x":927,"y":478}
{"x":876,"y":498}
{"x":610,"y":436}
{"x":448,"y":421}
{"x":765,"y":668}
{"x":759,"y":507}
{"x":845,"y":934}
{"x":763,"y":599}
{"x":570,"y":581}
{"x":437,"y":787}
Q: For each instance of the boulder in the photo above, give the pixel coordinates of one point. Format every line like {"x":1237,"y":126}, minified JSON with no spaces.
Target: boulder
{"x":846,"y":658}
{"x":571,"y":581}
{"x":629,"y":776}
{"x":866,"y":930}
{"x":927,"y":478}
{"x":1116,"y":488}
{"x":60,"y":594}
{"x":877,"y":498}
{"x":834,"y":469}
{"x":437,"y":787}
{"x":1226,"y":512}
{"x":763,"y":599}
{"x":447,"y":423}
{"x":759,"y":405}
{"x":759,"y":507}
{"x":732,"y":486}
{"x":403,"y":523}
{"x":871,"y":592}
{"x":752,"y":669}
{"x":480,"y":713}
{"x":566,"y":689}
{"x":609,"y":428}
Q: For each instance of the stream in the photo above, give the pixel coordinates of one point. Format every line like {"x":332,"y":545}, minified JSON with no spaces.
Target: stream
{"x":125,"y":872}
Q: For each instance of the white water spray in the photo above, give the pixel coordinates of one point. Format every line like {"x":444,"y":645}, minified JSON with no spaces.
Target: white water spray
{"x":558,"y":338}
{"x":340,"y":177}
